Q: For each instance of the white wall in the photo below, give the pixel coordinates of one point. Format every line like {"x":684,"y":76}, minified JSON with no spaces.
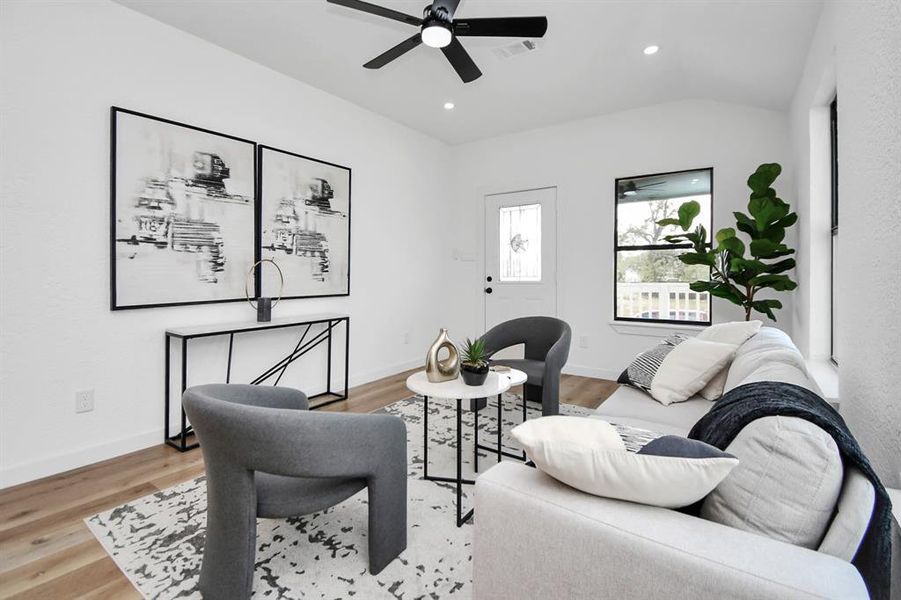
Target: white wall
{"x":583,"y":159}
{"x":810,"y":131}
{"x":868,"y":64}
{"x":63,"y":65}
{"x":855,"y":53}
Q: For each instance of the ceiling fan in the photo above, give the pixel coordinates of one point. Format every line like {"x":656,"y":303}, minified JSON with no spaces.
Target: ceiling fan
{"x":439,"y":29}
{"x":630,"y":189}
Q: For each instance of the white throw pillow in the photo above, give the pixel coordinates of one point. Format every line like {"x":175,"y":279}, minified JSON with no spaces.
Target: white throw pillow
{"x":688,"y":368}
{"x":737,"y":333}
{"x":588,"y":458}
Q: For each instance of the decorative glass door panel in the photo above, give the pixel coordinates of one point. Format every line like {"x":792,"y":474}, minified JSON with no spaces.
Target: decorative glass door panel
{"x":520,"y":243}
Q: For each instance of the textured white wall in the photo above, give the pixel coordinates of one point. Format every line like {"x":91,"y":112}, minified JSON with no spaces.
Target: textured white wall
{"x":63,"y":65}
{"x":810,"y":131}
{"x":855,"y":53}
{"x":583,"y":158}
{"x":868,"y":61}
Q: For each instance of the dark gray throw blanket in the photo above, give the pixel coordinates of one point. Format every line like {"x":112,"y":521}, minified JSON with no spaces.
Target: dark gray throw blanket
{"x":753,"y":401}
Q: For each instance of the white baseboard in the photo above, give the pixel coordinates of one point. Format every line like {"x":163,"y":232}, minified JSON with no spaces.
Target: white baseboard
{"x":372,"y":375}
{"x":66,"y":461}
{"x":591,"y":372}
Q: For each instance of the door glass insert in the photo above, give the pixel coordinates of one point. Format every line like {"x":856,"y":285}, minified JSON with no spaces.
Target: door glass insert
{"x":520,"y":243}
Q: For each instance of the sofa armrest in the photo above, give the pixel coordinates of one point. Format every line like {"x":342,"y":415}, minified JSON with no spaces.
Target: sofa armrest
{"x":538,"y":538}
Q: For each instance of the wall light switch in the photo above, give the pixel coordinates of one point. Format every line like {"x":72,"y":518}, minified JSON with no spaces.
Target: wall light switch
{"x":583,"y":341}
{"x":84,"y":401}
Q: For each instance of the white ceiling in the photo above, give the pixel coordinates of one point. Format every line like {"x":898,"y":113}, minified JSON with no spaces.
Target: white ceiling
{"x":589,"y":63}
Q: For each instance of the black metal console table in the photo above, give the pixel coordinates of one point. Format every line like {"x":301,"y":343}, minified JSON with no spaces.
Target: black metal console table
{"x":179,"y":441}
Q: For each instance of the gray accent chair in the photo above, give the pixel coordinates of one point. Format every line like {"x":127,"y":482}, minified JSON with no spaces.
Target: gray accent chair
{"x":268,"y":456}
{"x":546,"y":342}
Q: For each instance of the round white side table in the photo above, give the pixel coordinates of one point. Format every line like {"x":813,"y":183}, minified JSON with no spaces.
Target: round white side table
{"x":495,"y":385}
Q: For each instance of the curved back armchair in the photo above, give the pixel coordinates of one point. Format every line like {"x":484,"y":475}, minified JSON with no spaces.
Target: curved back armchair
{"x":547,"y":341}
{"x":266,"y":455}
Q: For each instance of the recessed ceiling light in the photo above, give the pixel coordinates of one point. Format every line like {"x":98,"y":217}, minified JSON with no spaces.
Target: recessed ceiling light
{"x":651,"y":50}
{"x":448,"y":106}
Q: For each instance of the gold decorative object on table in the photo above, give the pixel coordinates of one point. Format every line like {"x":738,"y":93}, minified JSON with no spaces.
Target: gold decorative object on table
{"x":264,"y":305}
{"x":445,"y":369}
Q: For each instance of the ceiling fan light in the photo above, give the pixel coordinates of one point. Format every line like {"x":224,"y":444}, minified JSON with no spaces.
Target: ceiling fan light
{"x":436,"y":35}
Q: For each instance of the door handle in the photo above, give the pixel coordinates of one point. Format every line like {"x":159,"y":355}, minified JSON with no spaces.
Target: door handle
{"x":488,"y":290}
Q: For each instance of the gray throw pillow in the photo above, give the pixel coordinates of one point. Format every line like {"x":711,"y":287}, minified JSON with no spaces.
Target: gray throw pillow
{"x":676,"y":445}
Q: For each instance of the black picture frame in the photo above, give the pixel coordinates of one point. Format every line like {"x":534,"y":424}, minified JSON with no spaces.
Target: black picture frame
{"x":262,"y":207}
{"x":617,"y":248}
{"x":116,"y":303}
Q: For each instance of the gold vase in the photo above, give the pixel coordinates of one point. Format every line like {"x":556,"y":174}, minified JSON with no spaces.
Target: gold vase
{"x":445,"y":369}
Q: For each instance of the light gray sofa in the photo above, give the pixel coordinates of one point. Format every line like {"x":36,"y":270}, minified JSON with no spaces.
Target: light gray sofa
{"x":538,"y":538}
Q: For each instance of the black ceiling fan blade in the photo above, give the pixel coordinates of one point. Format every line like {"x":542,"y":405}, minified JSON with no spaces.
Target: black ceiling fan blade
{"x":528,"y":27}
{"x":379,"y":11}
{"x":461,"y":61}
{"x":396,"y":52}
{"x":449,"y":6}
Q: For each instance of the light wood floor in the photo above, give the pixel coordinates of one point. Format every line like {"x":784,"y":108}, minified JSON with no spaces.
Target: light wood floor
{"x":47,"y":552}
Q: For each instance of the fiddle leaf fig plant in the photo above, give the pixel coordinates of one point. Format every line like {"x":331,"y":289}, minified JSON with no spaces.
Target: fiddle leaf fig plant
{"x":739,"y":271}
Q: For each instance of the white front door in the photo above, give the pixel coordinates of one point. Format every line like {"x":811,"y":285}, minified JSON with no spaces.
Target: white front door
{"x":520,"y":255}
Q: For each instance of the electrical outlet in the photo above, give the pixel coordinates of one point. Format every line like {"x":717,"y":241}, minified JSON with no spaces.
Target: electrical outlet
{"x":583,"y":341}
{"x":406,"y":338}
{"x":84,"y":401}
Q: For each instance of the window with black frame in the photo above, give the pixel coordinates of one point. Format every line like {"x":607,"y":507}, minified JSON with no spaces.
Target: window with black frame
{"x":651,"y":284}
{"x":833,"y":147}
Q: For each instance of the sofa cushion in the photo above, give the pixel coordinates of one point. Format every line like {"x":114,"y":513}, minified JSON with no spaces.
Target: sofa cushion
{"x":785,"y":486}
{"x":735,"y":333}
{"x":768,"y":356}
{"x":629,"y":406}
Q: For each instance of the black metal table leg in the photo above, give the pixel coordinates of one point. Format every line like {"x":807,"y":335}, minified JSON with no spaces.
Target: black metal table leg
{"x":328,"y":370}
{"x":458,"y":479}
{"x":475,"y":445}
{"x":184,"y":386}
{"x":425,"y":437}
{"x":525,"y":417}
{"x":228,"y":369}
{"x":346,"y":357}
{"x":167,"y":392}
{"x":500,"y":425}
{"x":460,"y":519}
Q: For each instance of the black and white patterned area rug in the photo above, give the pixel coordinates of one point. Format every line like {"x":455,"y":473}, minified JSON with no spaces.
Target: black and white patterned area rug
{"x":157,"y":540}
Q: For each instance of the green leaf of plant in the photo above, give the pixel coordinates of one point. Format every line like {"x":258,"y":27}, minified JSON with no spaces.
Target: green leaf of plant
{"x":766,"y":210}
{"x":698,"y":258}
{"x":666,"y":222}
{"x":781,"y":266}
{"x":780,"y":283}
{"x":733,"y":245}
{"x":675,"y":239}
{"x":687,"y":213}
{"x":764,"y":177}
{"x":774,"y":233}
{"x":764,"y":248}
{"x":788,"y":220}
{"x":745,"y":224}
{"x":725,"y":233}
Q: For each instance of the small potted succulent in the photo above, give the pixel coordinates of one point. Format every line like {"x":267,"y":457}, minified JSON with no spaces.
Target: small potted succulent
{"x":474,"y":367}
